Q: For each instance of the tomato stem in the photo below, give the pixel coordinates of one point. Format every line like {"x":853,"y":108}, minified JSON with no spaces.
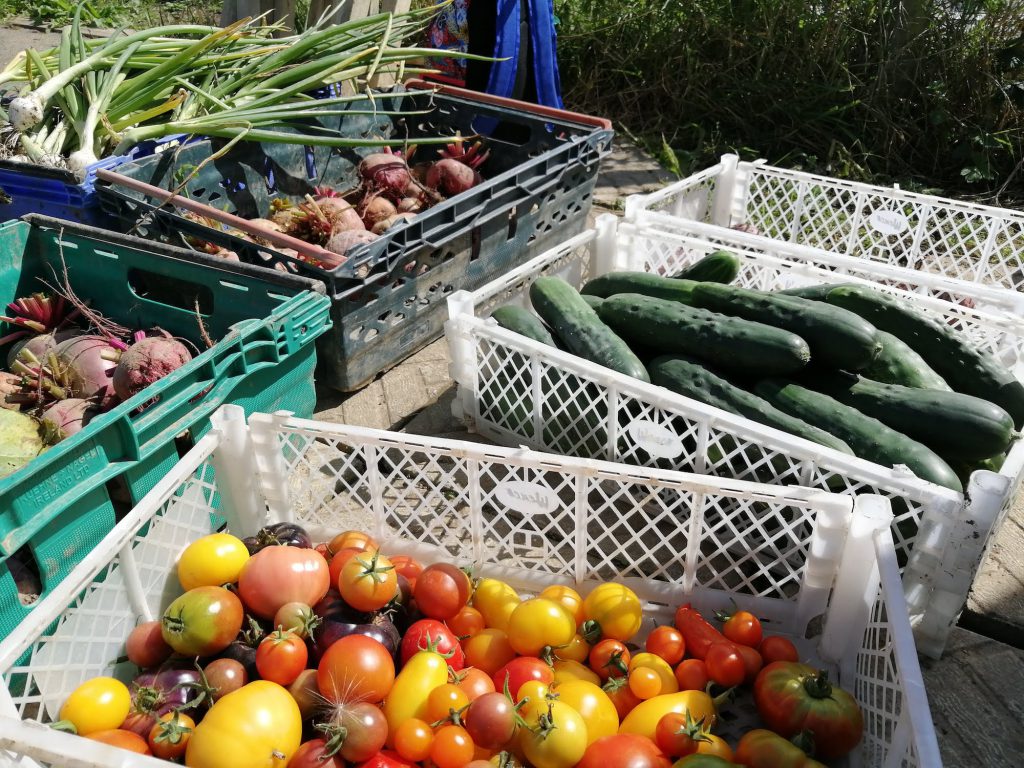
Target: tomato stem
{"x":818,"y":687}
{"x":591,"y":631}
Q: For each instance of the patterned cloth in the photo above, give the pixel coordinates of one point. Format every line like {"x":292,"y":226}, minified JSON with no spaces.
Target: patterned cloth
{"x":449,"y":31}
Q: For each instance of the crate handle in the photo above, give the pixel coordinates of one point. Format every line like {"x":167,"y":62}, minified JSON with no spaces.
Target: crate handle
{"x":164,"y":196}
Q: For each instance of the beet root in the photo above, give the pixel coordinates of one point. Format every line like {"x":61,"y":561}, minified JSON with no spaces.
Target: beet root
{"x":450,"y":177}
{"x":147,"y":361}
{"x":86,"y":366}
{"x":66,"y":417}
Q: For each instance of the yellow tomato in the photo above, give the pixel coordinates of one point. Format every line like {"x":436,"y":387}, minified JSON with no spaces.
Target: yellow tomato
{"x":98,"y":704}
{"x":573,"y":670}
{"x":568,"y":598}
{"x":643,"y":718}
{"x":577,"y":649}
{"x":212,"y":561}
{"x":557,"y":738}
{"x":495,"y":600}
{"x":489,"y":650}
{"x":616,"y":609}
{"x":538,"y":624}
{"x":719,"y":747}
{"x":536,"y":695}
{"x":594,"y":706}
{"x":257,"y":726}
{"x":669,"y":684}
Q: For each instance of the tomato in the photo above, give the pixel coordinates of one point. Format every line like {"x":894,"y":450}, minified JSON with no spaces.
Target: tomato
{"x":668,"y":643}
{"x":408,"y":567}
{"x":751,"y":663}
{"x":258,"y":726}
{"x":577,"y":649}
{"x":444,"y":700}
{"x":621,"y":697}
{"x":704,"y":761}
{"x":355,"y":668}
{"x":741,"y":627}
{"x":474,"y":682}
{"x":573,"y":670}
{"x":725,"y":664}
{"x":624,"y":750}
{"x":338,"y":562}
{"x":313,"y":754}
{"x":297,"y":617}
{"x":354,"y":539}
{"x":386,"y":759}
{"x":122,"y":739}
{"x":412,"y":739}
{"x":776,"y":648}
{"x":715,"y":746}
{"x":360,"y":729}
{"x":609,"y":658}
{"x":519,"y":671}
{"x":368,"y":581}
{"x":281,"y":656}
{"x":616,"y":609}
{"x":488,"y":650}
{"x":594,"y":706}
{"x":568,"y":598}
{"x":202,"y":622}
{"x":644,"y":682}
{"x":678,"y":734}
{"x":491,"y":721}
{"x":532,"y":697}
{"x":793,"y":697}
{"x":467,"y":622}
{"x":667,"y":677}
{"x":409,"y":695}
{"x":762,"y":748}
{"x":430,"y":634}
{"x":145,"y":646}
{"x":495,"y":600}
{"x":539,"y":624}
{"x":278,"y":575}
{"x":644,"y":717}
{"x":452,"y":747}
{"x":306,"y":693}
{"x":441,"y":591}
{"x":169,"y":737}
{"x":98,"y":704}
{"x":698,"y":634}
{"x":692,"y":675}
{"x":556,"y":738}
{"x":212,"y":561}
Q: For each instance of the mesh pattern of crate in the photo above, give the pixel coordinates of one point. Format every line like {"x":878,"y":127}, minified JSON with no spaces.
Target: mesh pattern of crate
{"x":955,"y":239}
{"x":517,"y":391}
{"x":533,"y":519}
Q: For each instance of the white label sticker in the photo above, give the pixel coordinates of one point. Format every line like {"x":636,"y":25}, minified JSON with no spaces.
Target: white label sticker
{"x":528,"y":498}
{"x":888,"y":222}
{"x":655,"y":439}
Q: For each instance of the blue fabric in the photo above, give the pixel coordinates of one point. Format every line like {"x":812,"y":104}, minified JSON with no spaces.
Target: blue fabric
{"x":545,"y":53}
{"x":506,"y":48}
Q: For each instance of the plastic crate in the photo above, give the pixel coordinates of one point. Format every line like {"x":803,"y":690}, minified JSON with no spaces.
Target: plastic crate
{"x":533,"y":519}
{"x":27,"y":188}
{"x":58,"y":507}
{"x":388,"y":298}
{"x":518,"y":391}
{"x":977,"y":243}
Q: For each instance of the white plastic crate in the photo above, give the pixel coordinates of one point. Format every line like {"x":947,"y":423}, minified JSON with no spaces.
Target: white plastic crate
{"x":976,"y":243}
{"x":533,"y":519}
{"x":520,"y":392}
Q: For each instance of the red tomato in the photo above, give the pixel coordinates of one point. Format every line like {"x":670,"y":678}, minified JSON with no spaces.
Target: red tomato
{"x":169,"y":737}
{"x":368,"y":581}
{"x":751,"y":662}
{"x":692,"y":675}
{"x":624,"y":750}
{"x":622,"y":697}
{"x":475,"y":682}
{"x":697,"y":632}
{"x":386,"y":759}
{"x":355,"y":668}
{"x":451,"y":748}
{"x":776,"y":648}
{"x":281,"y":656}
{"x":146,"y":647}
{"x":667,"y":642}
{"x":441,"y":590}
{"x":678,"y":735}
{"x":115,"y":737}
{"x":408,"y":567}
{"x":609,"y":658}
{"x":725,"y":664}
{"x":312,"y":754}
{"x":467,"y":622}
{"x":521,"y":670}
{"x":430,"y":634}
{"x":278,"y":575}
{"x":742,"y":627}
{"x":339,"y":561}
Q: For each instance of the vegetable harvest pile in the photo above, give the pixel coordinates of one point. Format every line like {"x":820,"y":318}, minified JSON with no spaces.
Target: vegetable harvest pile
{"x":279,"y":653}
{"x":843,"y":365}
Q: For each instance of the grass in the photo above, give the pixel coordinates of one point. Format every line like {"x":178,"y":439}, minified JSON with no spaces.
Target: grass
{"x":139,"y":14}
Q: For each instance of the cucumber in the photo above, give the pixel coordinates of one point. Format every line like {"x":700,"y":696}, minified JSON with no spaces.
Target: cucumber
{"x":580,"y":329}
{"x":728,"y":342}
{"x":689,"y":377}
{"x":815,"y":292}
{"x":953,"y":357}
{"x":716,"y":267}
{"x":869,"y":438}
{"x":956,"y":426}
{"x":897,"y":363}
{"x":592,"y":301}
{"x":838,"y":339}
{"x":639,"y":282}
{"x":523,"y":322}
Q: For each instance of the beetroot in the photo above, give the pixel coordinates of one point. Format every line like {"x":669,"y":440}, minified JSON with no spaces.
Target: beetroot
{"x":384,"y":224}
{"x":340,"y":214}
{"x":66,"y":417}
{"x":451,"y":177}
{"x":410,"y":205}
{"x":86,"y":366}
{"x":40,"y":344}
{"x":146,"y":361}
{"x":385,"y":172}
{"x":376,"y":209}
{"x":343,"y":241}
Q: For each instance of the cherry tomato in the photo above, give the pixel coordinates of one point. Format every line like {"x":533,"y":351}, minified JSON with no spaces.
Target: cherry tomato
{"x":568,"y":598}
{"x":616,"y":609}
{"x":146,"y":646}
{"x":669,"y":684}
{"x":364,"y":730}
{"x":281,"y":656}
{"x":692,"y":675}
{"x":715,"y":746}
{"x":539,"y":624}
{"x":495,"y":600}
{"x":467,"y":622}
{"x":117,"y":737}
{"x":368,"y":581}
{"x":413,"y":739}
{"x":452,"y":747}
{"x":667,"y":642}
{"x":577,"y":649}
{"x":519,"y":671}
{"x":354,"y":539}
{"x":474,"y":682}
{"x":169,"y":736}
{"x":203,"y":621}
{"x":225,"y":676}
{"x":644,"y":682}
{"x":725,"y":664}
{"x":338,"y":562}
{"x":609,"y":658}
{"x":488,"y":650}
{"x":594,"y":706}
{"x":678,"y":735}
{"x":624,"y":750}
{"x":751,"y":661}
{"x":312,"y":754}
{"x":441,"y":590}
{"x":355,"y":668}
{"x":306,"y":693}
{"x":776,"y":648}
{"x":430,"y":634}
{"x":491,"y":721}
{"x":297,"y":617}
{"x":557,"y":738}
{"x":742,"y":628}
{"x":618,"y":691}
{"x":212,"y":561}
{"x":98,"y":704}
{"x":408,"y":567}
{"x":443,"y":700}
{"x":278,"y":574}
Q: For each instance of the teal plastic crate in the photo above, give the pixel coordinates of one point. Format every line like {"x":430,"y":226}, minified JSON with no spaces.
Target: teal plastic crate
{"x":57,"y":508}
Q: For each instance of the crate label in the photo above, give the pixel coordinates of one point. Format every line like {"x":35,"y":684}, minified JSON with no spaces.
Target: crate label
{"x":659,"y":442}
{"x":888,"y":222}
{"x":526,"y":497}
{"x":48,"y":488}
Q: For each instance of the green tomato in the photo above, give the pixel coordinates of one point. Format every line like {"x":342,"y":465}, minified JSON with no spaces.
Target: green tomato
{"x":202,"y":622}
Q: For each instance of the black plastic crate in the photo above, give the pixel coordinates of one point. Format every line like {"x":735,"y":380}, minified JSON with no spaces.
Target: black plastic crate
{"x":388,"y":298}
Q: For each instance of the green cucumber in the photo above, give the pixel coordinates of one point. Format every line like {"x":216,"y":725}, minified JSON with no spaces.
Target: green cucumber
{"x":580,"y":329}
{"x":716,"y":267}
{"x":814,"y":292}
{"x":643,"y":283}
{"x":869,"y":438}
{"x":964,"y":367}
{"x":838,"y":339}
{"x":523,"y":322}
{"x":730,"y":343}
{"x":592,"y":301}
{"x":897,"y":363}
{"x":956,"y":426}
{"x":689,"y":377}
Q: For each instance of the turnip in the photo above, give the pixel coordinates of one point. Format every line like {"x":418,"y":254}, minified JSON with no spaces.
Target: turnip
{"x":399,"y":218}
{"x":146,"y":361}
{"x":40,"y":344}
{"x":66,"y":417}
{"x":20,"y":441}
{"x":376,"y":209}
{"x":344,"y":241}
{"x":86,"y":365}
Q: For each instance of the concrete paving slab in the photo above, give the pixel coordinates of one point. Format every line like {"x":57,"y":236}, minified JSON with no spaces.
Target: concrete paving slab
{"x":995,"y":606}
{"x":627,"y":171}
